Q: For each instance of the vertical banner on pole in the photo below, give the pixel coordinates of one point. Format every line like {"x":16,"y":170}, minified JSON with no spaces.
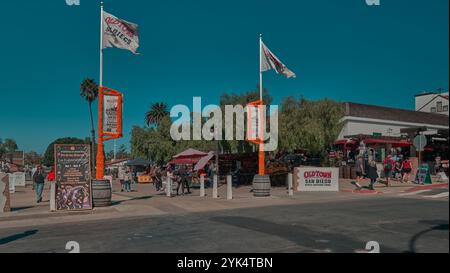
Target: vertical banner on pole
{"x":110,"y":123}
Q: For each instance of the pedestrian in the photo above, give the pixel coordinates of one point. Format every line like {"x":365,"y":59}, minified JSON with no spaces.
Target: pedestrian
{"x":388,"y":166}
{"x":39,"y":182}
{"x":372,"y":173}
{"x":183,"y":181}
{"x":158,"y":178}
{"x":406,"y":170}
{"x":360,"y":169}
{"x":398,"y":169}
{"x":128,"y":177}
{"x":121,"y":176}
{"x":51,"y":176}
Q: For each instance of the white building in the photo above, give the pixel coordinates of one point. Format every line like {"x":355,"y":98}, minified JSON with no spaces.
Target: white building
{"x":362,"y":119}
{"x":432,"y":102}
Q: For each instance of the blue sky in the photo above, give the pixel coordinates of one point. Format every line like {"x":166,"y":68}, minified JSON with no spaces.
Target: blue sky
{"x":344,"y":50}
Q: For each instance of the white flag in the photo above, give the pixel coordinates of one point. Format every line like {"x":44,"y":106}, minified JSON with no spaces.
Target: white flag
{"x":269,"y":61}
{"x":119,"y":33}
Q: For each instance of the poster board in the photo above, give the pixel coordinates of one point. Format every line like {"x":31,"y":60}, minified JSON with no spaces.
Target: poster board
{"x":423,"y":175}
{"x":5,"y":203}
{"x":12,"y":186}
{"x":313,"y":179}
{"x":73,"y":177}
{"x":19,"y":179}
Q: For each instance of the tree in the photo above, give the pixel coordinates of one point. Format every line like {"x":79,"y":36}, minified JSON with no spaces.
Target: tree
{"x":309,"y":125}
{"x":89,"y":91}
{"x":156,"y":113}
{"x":33,"y":158}
{"x":7,"y":147}
{"x":121,"y":153}
{"x":49,"y":156}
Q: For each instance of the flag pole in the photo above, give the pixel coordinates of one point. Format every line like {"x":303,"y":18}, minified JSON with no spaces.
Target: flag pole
{"x":100,"y":150}
{"x":261,"y":169}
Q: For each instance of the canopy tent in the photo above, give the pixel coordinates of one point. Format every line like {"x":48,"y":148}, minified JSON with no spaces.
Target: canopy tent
{"x":203,"y":161}
{"x":139,"y":162}
{"x":183,"y":161}
{"x":190,"y":153}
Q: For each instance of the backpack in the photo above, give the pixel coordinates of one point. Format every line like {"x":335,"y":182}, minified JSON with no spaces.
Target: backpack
{"x":388,"y":166}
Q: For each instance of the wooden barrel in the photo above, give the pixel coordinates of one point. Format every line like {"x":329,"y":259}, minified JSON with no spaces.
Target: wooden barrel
{"x":341,"y":172}
{"x":261,"y":186}
{"x":346,"y":172}
{"x":101,"y":193}
{"x":353,"y":172}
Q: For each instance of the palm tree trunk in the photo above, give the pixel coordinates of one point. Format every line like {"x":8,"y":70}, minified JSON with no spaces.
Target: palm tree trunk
{"x":92,"y":141}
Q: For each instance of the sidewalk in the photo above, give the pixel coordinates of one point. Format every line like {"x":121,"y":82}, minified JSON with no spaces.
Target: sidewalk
{"x":145,"y":201}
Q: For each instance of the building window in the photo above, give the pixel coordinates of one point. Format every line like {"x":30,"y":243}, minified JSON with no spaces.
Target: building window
{"x":445,"y":108}
{"x":439,"y":106}
{"x":433,"y":109}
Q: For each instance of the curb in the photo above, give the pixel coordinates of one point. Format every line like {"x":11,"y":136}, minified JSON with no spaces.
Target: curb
{"x":427,"y":187}
{"x":364,"y":191}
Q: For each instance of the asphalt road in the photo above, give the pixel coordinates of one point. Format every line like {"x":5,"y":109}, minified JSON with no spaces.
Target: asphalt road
{"x":397,"y":224}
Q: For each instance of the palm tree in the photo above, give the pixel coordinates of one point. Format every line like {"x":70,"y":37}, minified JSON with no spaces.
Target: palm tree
{"x":156,"y":113}
{"x":89,"y":91}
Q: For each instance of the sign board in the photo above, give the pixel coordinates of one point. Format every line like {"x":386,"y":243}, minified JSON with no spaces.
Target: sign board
{"x":316,"y":179}
{"x":5,"y":205}
{"x":145,"y":179}
{"x":423,"y":175}
{"x":420,"y":142}
{"x":73,"y":177}
{"x":255,"y":122}
{"x":111,"y":112}
{"x":19,"y":179}
{"x":12,"y":186}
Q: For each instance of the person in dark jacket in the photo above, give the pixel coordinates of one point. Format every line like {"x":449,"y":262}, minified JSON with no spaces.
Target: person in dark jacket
{"x":39,"y":181}
{"x":372,"y":174}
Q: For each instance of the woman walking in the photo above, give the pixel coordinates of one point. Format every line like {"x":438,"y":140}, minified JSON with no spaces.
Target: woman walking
{"x":406,"y":170}
{"x":372,"y":174}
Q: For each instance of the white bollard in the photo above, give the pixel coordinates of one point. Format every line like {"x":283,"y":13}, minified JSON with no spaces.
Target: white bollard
{"x":52,"y":196}
{"x":202,"y":186}
{"x":215,"y":186}
{"x":229,"y":187}
{"x":169,"y":187}
{"x":290,"y":184}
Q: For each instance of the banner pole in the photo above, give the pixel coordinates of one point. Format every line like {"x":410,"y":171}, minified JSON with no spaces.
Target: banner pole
{"x":100,"y":152}
{"x":261,"y":156}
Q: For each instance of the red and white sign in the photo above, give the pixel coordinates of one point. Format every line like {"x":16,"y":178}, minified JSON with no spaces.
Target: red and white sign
{"x":316,"y":179}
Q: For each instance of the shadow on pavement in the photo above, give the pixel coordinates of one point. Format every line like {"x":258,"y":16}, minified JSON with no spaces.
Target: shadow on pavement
{"x":301,"y":235}
{"x":132,"y":199}
{"x":438,"y":225}
{"x":7,"y":240}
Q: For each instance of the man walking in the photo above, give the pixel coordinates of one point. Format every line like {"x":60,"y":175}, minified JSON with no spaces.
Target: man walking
{"x":39,"y":181}
{"x":388,"y":165}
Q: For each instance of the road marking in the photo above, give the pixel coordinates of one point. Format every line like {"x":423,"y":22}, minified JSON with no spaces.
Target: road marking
{"x":414,"y":193}
{"x":440,"y":195}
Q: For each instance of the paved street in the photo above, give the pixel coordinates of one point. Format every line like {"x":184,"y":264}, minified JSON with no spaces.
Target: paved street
{"x":409,"y":223}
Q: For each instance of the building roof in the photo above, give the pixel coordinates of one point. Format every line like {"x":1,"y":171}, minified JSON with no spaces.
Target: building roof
{"x":394,"y":114}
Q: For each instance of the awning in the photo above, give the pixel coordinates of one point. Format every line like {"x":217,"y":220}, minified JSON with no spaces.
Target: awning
{"x":203,"y":161}
{"x":346,"y":142}
{"x":395,"y":143}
